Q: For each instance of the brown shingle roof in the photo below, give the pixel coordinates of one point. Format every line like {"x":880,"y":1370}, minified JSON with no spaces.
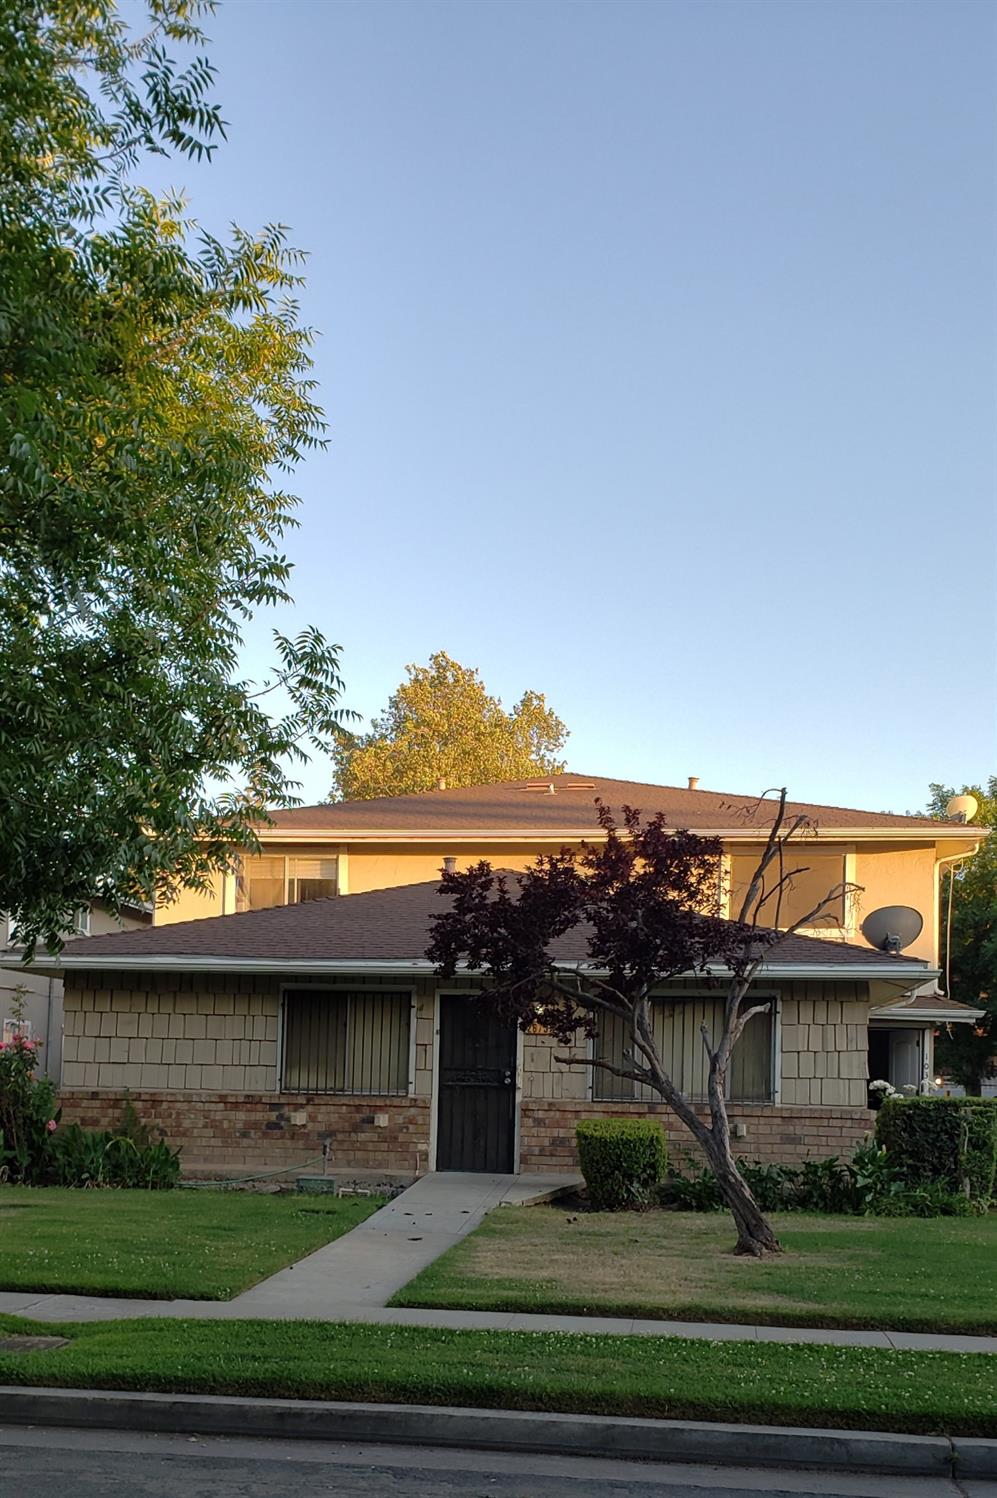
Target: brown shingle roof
{"x":390,"y":925}
{"x":932,"y":1003}
{"x":517,"y":805}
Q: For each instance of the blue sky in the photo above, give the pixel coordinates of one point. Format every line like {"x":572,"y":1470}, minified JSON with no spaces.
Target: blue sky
{"x":658,"y":356}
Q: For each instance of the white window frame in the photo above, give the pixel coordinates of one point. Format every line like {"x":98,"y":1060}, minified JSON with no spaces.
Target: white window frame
{"x":288,"y":858}
{"x":762,"y":996}
{"x":343,"y":985}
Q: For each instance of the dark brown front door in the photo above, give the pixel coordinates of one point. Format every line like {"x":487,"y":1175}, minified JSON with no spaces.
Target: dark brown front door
{"x":477,"y":1108}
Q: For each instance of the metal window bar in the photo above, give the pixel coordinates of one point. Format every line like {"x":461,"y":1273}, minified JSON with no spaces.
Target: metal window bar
{"x":346,"y":1042}
{"x":676,"y":1026}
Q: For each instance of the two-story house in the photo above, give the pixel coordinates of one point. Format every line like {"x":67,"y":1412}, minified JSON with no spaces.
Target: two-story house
{"x":293,"y":1006}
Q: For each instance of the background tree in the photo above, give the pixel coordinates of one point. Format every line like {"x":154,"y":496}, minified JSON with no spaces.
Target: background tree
{"x":442,"y":724}
{"x":155,"y":380}
{"x":969,"y":895}
{"x":648,"y":901}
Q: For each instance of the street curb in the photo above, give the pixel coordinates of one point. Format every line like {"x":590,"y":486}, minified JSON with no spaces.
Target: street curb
{"x":505,"y":1430}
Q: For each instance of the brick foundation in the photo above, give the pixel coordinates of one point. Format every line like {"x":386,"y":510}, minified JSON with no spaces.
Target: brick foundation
{"x":229,"y":1132}
{"x":776,"y":1135}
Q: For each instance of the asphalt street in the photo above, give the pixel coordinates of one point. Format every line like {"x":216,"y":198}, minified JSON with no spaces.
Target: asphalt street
{"x":42,"y":1463}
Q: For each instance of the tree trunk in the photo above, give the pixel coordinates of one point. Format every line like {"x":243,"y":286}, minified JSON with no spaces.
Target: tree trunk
{"x":754,"y":1234}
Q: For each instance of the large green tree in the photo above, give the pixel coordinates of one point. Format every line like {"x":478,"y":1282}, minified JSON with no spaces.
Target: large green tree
{"x":155,"y":392}
{"x":441,"y":724}
{"x":969,"y":1052}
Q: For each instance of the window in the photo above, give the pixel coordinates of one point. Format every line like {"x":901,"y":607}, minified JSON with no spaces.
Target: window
{"x":336,"y":1041}
{"x":820,"y":871}
{"x":311,"y":879}
{"x":275,"y":880}
{"x":677,"y":1035}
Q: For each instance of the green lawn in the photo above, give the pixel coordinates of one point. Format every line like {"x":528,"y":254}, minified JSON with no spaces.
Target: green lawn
{"x":844,"y":1387}
{"x":207,"y":1245}
{"x":938,"y":1274}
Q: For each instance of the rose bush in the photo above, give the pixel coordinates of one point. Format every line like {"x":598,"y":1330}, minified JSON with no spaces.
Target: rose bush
{"x":28,"y":1112}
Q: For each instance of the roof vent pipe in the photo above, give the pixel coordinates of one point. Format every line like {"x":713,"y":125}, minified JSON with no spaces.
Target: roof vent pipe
{"x":450,"y":865}
{"x":694,"y":782}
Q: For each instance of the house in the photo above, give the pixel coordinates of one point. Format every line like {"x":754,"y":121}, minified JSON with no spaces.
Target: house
{"x":30,"y":1000}
{"x":274,"y":1016}
{"x":349,"y":847}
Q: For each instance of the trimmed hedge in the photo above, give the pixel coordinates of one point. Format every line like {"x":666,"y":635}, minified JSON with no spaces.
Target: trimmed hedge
{"x":622,"y":1160}
{"x":950,"y":1142}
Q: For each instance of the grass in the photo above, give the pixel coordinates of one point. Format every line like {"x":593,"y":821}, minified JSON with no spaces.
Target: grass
{"x":842,"y":1387}
{"x":202,"y":1245}
{"x":937,"y":1274}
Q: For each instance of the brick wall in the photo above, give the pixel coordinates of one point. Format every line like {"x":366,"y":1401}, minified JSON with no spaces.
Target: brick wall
{"x":230,"y":1132}
{"x":780,"y":1135}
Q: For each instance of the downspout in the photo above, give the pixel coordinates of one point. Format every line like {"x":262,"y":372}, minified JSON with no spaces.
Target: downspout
{"x":48,"y":1037}
{"x":950,"y":858}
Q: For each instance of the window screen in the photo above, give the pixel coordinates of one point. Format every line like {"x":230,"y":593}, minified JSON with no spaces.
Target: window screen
{"x":336,"y":1041}
{"x":311,"y":879}
{"x":261,"y":883}
{"x":818,"y":873}
{"x":677,"y":1035}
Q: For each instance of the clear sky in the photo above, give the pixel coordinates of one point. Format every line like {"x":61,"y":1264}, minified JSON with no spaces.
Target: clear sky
{"x":658,"y":355}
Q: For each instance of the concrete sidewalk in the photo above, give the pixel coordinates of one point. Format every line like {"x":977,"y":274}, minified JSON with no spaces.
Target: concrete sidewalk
{"x":366,"y":1266}
{"x":58,"y":1308}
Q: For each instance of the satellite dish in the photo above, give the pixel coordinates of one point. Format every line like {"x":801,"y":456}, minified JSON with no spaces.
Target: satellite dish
{"x":892,"y":927}
{"x":962,"y":808}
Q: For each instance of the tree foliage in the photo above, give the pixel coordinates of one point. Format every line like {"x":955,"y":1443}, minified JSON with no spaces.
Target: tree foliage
{"x":648,"y":903}
{"x":969,"y":1052}
{"x":156,"y":393}
{"x":441,"y":724}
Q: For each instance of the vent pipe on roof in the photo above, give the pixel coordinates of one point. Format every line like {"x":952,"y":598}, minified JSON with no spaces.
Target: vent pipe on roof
{"x":450,"y":865}
{"x":441,"y":784}
{"x":694,"y":782}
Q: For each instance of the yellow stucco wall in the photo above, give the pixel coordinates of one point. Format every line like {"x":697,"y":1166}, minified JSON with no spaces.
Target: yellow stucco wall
{"x":387,"y":866}
{"x":193,"y":905}
{"x":904,"y":876}
{"x":890,"y":876}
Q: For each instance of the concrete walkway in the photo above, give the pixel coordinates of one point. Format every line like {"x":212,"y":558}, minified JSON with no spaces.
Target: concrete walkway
{"x":352,"y":1278}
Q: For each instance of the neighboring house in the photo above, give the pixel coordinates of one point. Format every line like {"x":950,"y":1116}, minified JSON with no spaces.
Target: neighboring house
{"x":37,"y":996}
{"x":253,"y":1037}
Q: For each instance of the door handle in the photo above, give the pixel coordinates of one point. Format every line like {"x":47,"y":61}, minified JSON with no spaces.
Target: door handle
{"x":507,"y":1078}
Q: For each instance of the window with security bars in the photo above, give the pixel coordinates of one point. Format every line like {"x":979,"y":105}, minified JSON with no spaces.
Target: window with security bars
{"x":676,"y":1026}
{"x":351,"y":1042}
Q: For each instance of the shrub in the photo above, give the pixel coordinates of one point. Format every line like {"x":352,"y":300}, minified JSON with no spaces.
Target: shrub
{"x":949,"y":1143}
{"x":27,"y":1112}
{"x":88,"y":1157}
{"x":622,"y":1161}
{"x":869,"y":1184}
{"x":34,"y":1151}
{"x":692,"y":1193}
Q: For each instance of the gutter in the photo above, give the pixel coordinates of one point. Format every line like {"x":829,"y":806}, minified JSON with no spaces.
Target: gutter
{"x":937,"y":832}
{"x":178,"y":962}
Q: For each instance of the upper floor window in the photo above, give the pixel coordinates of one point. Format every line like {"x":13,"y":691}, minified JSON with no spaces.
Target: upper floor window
{"x":814,"y":873}
{"x":272,"y":879}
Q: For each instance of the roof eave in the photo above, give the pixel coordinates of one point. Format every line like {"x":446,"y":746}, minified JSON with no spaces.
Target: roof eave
{"x":194,"y":963}
{"x":941,"y":832}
